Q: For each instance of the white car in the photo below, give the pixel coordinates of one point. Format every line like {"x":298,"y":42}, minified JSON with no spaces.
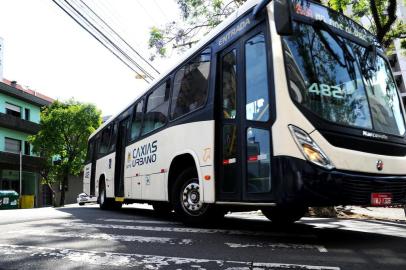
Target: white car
{"x":84,"y":198}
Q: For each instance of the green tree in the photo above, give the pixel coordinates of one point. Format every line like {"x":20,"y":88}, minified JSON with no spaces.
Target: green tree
{"x":381,"y":14}
{"x":200,"y":16}
{"x":62,"y":140}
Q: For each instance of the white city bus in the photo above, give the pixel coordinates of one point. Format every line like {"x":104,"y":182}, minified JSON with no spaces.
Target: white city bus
{"x":285,"y":105}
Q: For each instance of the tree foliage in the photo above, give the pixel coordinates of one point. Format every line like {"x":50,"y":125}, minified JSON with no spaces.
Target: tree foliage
{"x":200,"y":16}
{"x":381,"y":15}
{"x":65,"y":129}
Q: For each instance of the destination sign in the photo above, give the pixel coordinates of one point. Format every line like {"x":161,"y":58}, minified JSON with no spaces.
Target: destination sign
{"x":333,"y":18}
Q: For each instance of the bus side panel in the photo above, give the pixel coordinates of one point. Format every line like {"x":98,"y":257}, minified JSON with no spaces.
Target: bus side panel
{"x":150,"y":158}
{"x":105,"y":167}
{"x":86,"y":178}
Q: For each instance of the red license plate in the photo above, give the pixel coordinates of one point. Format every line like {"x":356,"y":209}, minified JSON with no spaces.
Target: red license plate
{"x":381,"y":199}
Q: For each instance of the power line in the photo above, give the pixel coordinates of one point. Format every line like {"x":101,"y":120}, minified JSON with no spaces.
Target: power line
{"x":121,"y":38}
{"x":110,"y":41}
{"x":90,"y":21}
{"x":94,"y":36}
{"x":160,"y":9}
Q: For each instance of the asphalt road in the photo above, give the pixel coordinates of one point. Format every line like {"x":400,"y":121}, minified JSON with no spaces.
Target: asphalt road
{"x":88,"y":238}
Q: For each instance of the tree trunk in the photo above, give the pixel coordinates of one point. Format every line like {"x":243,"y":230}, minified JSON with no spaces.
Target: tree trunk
{"x":64,"y":183}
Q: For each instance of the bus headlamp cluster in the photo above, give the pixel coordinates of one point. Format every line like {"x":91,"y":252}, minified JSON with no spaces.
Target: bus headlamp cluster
{"x":310,"y":150}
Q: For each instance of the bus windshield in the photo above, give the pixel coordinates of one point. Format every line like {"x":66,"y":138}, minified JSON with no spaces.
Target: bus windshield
{"x":337,"y":80}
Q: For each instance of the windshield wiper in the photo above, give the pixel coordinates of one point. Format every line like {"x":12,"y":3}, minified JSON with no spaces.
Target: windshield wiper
{"x":348,"y":57}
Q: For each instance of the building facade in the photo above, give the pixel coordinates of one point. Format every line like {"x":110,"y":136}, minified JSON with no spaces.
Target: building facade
{"x":19,"y":118}
{"x":398,"y":57}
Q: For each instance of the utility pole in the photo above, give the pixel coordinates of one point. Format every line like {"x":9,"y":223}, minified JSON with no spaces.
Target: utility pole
{"x":21,"y":175}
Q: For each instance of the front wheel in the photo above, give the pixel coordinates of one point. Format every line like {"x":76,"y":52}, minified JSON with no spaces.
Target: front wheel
{"x":186,"y":199}
{"x":284,"y":215}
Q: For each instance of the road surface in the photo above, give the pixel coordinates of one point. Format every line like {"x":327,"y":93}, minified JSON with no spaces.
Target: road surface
{"x":86,"y":237}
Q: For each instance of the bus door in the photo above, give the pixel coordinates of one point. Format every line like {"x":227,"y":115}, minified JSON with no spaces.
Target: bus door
{"x":122,"y":135}
{"x":244,"y":123}
{"x":93,"y":155}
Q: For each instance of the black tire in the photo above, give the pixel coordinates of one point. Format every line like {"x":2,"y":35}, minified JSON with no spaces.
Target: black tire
{"x":185,"y":200}
{"x":107,"y":203}
{"x":284,"y":215}
{"x":81,"y":203}
{"x":162,"y":208}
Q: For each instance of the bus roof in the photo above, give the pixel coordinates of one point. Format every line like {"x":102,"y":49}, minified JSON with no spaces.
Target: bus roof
{"x":213,"y":33}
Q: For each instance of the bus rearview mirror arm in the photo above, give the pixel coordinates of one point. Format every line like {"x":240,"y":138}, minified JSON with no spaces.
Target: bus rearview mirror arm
{"x":282,"y":15}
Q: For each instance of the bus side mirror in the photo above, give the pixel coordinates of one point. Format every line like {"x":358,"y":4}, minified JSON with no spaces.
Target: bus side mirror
{"x":283,"y":17}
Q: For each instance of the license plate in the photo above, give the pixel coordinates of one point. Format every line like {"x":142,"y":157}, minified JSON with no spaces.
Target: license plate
{"x":5,"y":200}
{"x":381,"y":199}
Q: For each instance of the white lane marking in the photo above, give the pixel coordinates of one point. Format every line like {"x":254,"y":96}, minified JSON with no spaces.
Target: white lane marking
{"x":140,"y":260}
{"x":269,"y":266}
{"x":104,"y":236}
{"x":360,"y":226}
{"x":137,"y":221}
{"x":278,"y":246}
{"x":186,"y":230}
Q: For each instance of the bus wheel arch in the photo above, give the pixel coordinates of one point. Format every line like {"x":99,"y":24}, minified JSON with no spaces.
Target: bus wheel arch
{"x":178,"y":165}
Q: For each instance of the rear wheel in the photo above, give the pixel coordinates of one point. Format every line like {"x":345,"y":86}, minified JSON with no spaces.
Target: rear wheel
{"x":186,"y":199}
{"x":107,"y":203}
{"x":284,"y":215}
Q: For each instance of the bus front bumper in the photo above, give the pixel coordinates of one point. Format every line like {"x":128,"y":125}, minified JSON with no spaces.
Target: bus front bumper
{"x":303,"y":183}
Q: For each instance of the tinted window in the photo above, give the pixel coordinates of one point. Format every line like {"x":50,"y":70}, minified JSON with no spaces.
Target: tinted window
{"x":229,"y":84}
{"x":113,"y":138}
{"x":137,"y":121}
{"x":257,"y":106}
{"x":157,"y":108}
{"x":90,"y":148}
{"x":104,"y":145}
{"x":258,"y":160}
{"x":229,"y":158}
{"x":190,"y":85}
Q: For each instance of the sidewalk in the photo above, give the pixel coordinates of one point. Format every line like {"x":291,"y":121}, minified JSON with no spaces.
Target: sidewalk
{"x":376,"y":212}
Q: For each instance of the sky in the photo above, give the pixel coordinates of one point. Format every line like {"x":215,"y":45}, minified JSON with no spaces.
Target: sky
{"x":47,"y":51}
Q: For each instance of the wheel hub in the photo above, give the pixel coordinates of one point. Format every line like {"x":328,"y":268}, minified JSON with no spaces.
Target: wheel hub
{"x":191,"y":198}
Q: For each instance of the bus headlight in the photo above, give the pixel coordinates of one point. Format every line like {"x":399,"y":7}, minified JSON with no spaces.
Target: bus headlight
{"x":310,"y":150}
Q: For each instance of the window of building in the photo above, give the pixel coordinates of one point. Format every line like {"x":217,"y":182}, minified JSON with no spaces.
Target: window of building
{"x":12,"y":145}
{"x":27,"y":114}
{"x":137,"y":120}
{"x":13,"y":110}
{"x":190,"y":85}
{"x":27,"y":148}
{"x":157,"y":108}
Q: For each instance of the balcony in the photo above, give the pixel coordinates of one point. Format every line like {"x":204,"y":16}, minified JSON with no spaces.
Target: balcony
{"x":15,"y":123}
{"x":11,"y":161}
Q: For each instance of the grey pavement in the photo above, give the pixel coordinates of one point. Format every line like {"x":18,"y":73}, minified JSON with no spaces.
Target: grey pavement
{"x":86,"y":237}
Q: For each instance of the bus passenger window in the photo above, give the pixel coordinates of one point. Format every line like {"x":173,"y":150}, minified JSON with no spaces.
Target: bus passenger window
{"x":229,"y":84}
{"x":157,"y":108}
{"x":257,"y":106}
{"x":190,"y":86}
{"x":104,"y":145}
{"x":113,"y":138}
{"x":137,"y":121}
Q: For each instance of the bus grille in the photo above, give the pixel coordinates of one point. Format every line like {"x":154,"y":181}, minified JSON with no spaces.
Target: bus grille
{"x":358,"y":191}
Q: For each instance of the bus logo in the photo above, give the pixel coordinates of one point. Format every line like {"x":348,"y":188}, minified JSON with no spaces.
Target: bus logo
{"x":379,"y":165}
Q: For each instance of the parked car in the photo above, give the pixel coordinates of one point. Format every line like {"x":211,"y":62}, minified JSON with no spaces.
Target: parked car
{"x":84,"y":198}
